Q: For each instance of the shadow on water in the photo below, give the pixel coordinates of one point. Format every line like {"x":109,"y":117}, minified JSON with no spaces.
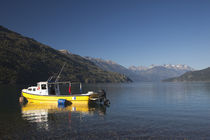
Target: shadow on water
{"x":10,"y":109}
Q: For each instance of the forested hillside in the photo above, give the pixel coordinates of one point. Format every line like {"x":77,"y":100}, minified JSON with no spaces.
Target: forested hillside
{"x":24,"y":60}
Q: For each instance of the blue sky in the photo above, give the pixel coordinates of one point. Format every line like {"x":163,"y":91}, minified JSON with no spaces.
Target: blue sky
{"x":129,"y":32}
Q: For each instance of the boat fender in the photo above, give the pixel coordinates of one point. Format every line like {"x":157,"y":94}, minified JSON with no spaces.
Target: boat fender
{"x":21,"y":99}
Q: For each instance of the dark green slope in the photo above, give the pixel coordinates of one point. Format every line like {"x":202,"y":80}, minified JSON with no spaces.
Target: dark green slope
{"x":24,"y":60}
{"x":200,"y":75}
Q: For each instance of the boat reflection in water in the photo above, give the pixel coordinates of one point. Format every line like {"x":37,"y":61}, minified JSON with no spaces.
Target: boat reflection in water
{"x":42,"y":114}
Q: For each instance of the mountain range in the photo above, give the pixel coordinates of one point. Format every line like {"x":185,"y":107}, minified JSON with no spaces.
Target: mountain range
{"x":161,"y":72}
{"x":142,"y":73}
{"x":109,"y":65}
{"x":168,"y":66}
{"x":24,"y":60}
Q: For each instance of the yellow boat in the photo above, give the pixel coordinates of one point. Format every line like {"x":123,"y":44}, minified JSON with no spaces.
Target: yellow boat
{"x":76,"y":98}
{"x":49,"y":92}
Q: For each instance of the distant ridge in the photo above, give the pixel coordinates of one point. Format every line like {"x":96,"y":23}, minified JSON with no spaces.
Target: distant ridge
{"x":161,"y":72}
{"x":199,"y":75}
{"x":168,"y":66}
{"x":23,"y":60}
{"x":142,"y":73}
{"x":109,"y":65}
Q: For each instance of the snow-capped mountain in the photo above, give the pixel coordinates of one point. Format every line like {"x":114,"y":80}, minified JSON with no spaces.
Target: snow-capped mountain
{"x":160,"y":72}
{"x":168,"y":66}
{"x":178,"y":67}
{"x":142,"y":73}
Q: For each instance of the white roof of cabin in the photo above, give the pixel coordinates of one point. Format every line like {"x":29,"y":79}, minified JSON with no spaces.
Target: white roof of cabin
{"x":42,"y":82}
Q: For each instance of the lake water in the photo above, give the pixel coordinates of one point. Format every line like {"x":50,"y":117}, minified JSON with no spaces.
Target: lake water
{"x":137,"y":111}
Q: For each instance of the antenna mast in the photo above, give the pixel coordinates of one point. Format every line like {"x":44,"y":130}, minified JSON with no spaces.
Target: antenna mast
{"x":60,"y":73}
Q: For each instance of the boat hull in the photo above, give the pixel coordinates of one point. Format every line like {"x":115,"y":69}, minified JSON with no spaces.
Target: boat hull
{"x":84,"y":99}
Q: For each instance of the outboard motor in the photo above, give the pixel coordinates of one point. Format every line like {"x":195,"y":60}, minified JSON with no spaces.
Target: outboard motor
{"x":103,"y":97}
{"x":106,"y":102}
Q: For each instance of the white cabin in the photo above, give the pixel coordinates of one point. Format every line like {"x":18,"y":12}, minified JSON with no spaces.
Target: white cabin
{"x":43,"y":88}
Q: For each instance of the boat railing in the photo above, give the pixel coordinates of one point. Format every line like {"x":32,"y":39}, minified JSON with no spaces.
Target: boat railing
{"x":66,"y":82}
{"x":66,"y":87}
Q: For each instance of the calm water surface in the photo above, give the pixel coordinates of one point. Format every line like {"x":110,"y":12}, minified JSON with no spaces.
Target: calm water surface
{"x":137,"y":111}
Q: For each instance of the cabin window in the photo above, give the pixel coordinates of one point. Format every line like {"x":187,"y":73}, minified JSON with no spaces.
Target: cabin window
{"x":34,"y":89}
{"x":44,"y":86}
{"x":29,"y":89}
